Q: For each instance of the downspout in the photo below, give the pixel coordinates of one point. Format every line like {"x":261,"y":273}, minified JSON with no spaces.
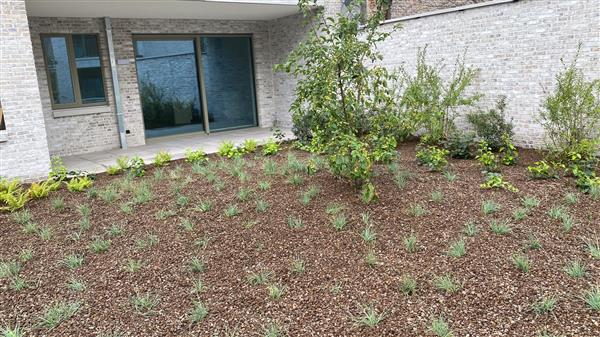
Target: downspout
{"x":115,"y":83}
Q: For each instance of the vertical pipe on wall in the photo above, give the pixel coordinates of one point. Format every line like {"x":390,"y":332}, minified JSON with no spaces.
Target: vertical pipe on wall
{"x":115,"y":83}
{"x":200,"y":67}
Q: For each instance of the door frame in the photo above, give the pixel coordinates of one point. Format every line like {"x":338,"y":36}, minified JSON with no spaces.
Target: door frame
{"x":200,"y":70}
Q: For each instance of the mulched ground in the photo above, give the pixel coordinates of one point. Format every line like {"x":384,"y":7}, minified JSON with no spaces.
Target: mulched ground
{"x":495,"y":300}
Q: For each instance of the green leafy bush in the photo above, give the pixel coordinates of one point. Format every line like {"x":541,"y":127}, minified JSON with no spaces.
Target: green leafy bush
{"x":586,"y":181}
{"x":487,"y":158}
{"x":249,"y":146}
{"x":79,"y":184}
{"x":12,"y":195}
{"x":430,"y":103}
{"x":41,"y":190}
{"x":270,"y":148}
{"x":433,"y":157}
{"x":227,"y":149}
{"x":58,"y":170}
{"x":136,"y":166}
{"x":508,"y":152}
{"x":162,"y":158}
{"x":195,"y":156}
{"x":113,"y":170}
{"x":460,"y":144}
{"x":545,"y":170}
{"x":491,"y":125}
{"x":495,"y":180}
{"x":345,"y":102}
{"x":571,"y":113}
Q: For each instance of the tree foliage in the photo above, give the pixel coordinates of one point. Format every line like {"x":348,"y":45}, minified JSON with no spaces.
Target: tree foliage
{"x":345,"y":104}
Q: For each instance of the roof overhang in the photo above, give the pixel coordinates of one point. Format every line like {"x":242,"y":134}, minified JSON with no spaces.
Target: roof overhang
{"x":165,"y":9}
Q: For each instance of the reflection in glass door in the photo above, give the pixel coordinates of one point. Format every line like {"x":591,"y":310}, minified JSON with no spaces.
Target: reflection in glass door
{"x":168,"y":85}
{"x":229,"y":81}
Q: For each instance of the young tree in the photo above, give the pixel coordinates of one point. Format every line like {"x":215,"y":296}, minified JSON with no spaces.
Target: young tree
{"x":345,"y":103}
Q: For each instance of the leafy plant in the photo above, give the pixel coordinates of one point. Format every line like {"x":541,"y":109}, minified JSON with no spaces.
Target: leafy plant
{"x":227,"y":149}
{"x":12,"y":196}
{"x":491,"y":125}
{"x":433,"y":157}
{"x":270,"y":147}
{"x":79,"y":184}
{"x":162,"y":158}
{"x":508,"y":152}
{"x":41,"y":190}
{"x":136,"y":166}
{"x":495,"y":180}
{"x":344,"y":105}
{"x":545,"y":170}
{"x":571,"y":113}
{"x":113,"y":170}
{"x":487,"y":158}
{"x":460,"y":144}
{"x":249,"y":146}
{"x":430,"y":103}
{"x":195,"y":156}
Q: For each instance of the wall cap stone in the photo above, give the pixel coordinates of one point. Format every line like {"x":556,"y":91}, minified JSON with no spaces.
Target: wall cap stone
{"x":81,"y":111}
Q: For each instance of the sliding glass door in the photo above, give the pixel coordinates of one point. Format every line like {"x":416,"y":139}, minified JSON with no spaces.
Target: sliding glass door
{"x":229,"y":81}
{"x":195,"y":83}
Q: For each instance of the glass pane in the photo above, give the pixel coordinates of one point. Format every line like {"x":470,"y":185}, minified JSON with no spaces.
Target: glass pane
{"x":89,"y":72}
{"x":168,"y":82}
{"x":59,"y":72}
{"x":229,"y":81}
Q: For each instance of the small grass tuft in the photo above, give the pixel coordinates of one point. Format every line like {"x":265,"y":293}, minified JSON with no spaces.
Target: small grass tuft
{"x":457,"y":248}
{"x":489,"y":207}
{"x":592,"y":298}
{"x":259,"y":278}
{"x":544,"y":305}
{"x":144,"y":303}
{"x":447,"y":284}
{"x":440,"y":327}
{"x":368,"y":316}
{"x":275,"y":291}
{"x":198,"y":312}
{"x":295,"y":223}
{"x":408,"y":285}
{"x":500,"y":227}
{"x":57,"y":313}
{"x":576,"y":269}
{"x":339,"y":222}
{"x":521,"y":262}
{"x":410,"y":243}
{"x":470,"y":229}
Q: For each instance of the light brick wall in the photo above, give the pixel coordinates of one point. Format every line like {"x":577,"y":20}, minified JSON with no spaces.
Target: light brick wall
{"x":517,"y":47}
{"x":90,"y":133}
{"x":75,"y":134}
{"x":24,"y":154}
{"x":399,"y":8}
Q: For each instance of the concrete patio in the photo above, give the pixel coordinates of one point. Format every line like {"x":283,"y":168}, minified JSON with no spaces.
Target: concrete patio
{"x":97,"y":162}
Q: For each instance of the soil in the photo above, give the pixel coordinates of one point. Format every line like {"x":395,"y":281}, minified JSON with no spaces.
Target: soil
{"x":495,"y":299}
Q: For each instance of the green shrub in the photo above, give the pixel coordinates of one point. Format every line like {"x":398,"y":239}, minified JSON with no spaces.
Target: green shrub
{"x":12,"y":196}
{"x":41,"y":190}
{"x":249,"y":146}
{"x":586,"y":182}
{"x":123,"y":163}
{"x":430,"y":103}
{"x":113,"y":170}
{"x":508,"y":152}
{"x":228,"y":149}
{"x":58,"y":171}
{"x":571,"y":113}
{"x":162,"y":158}
{"x":487,"y":158}
{"x":345,"y":103}
{"x":460,"y":144}
{"x":495,"y":180}
{"x":433,"y":157}
{"x":79,"y":184}
{"x":545,"y":170}
{"x":491,"y":125}
{"x":195,"y":156}
{"x":136,"y":166}
{"x":270,"y":148}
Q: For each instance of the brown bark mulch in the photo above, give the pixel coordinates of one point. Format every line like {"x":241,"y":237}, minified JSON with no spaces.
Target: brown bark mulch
{"x":495,"y":299}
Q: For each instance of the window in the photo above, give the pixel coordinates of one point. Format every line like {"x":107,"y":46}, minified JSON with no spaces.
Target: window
{"x":74,"y":70}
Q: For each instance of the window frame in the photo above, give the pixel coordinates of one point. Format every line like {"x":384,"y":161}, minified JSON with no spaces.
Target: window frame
{"x":73,"y":68}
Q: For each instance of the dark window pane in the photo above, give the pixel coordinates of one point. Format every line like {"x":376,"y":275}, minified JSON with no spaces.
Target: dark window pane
{"x":87,"y":62}
{"x":59,"y":72}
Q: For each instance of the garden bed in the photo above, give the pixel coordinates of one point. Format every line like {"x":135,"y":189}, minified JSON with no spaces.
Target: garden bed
{"x":328,"y":276}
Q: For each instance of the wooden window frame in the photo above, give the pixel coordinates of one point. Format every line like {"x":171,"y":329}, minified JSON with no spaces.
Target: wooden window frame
{"x":74,"y":76}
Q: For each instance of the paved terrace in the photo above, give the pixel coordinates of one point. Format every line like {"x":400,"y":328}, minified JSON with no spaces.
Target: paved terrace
{"x":97,"y":162}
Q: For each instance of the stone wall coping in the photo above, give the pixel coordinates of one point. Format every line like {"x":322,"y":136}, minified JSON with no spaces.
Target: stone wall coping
{"x":447,"y":10}
{"x":90,"y":110}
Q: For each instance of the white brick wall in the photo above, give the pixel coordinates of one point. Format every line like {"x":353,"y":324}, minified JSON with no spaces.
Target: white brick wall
{"x":25,"y":152}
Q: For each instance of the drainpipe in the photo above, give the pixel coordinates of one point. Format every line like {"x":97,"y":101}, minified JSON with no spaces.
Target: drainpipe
{"x":115,"y":83}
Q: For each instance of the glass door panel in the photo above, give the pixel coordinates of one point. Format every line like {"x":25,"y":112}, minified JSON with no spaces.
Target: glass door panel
{"x":229,"y":81}
{"x":168,"y":85}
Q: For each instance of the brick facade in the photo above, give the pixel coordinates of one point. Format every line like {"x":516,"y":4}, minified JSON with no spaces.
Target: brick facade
{"x":23,"y":146}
